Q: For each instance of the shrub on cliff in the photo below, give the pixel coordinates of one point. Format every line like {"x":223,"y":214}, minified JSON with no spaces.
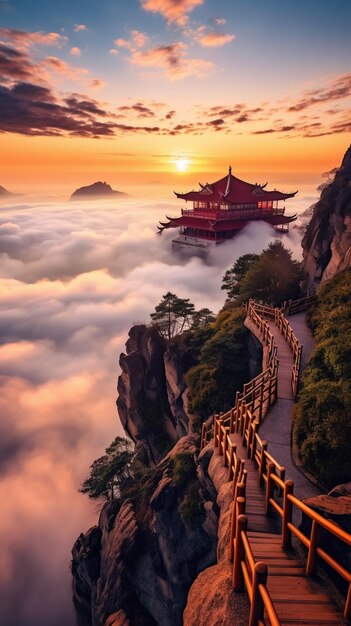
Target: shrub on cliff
{"x":109,"y":472}
{"x":323,"y":412}
{"x":174,"y":315}
{"x":223,"y":365}
{"x":271,"y":277}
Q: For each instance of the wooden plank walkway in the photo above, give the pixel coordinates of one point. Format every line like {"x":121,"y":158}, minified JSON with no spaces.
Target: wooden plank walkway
{"x":298,"y":600}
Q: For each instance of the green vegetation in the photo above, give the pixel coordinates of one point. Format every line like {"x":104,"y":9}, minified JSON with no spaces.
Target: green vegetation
{"x":184,"y":476}
{"x":323,"y":413}
{"x":271,"y":277}
{"x":223,"y":364}
{"x":110,"y":472}
{"x":233,"y":277}
{"x":174,"y":315}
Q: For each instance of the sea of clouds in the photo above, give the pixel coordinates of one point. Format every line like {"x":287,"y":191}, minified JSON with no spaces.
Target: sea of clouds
{"x":74,"y":278}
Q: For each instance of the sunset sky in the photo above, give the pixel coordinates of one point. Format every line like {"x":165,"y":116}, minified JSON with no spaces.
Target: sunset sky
{"x":119,"y":90}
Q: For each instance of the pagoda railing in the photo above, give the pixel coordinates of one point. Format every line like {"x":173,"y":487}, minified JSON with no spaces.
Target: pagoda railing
{"x":231,"y":214}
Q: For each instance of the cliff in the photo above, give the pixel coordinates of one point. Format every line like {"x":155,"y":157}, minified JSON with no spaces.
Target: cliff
{"x":327,"y":241}
{"x":152,"y":392}
{"x":137,"y":565}
{"x":96,"y":190}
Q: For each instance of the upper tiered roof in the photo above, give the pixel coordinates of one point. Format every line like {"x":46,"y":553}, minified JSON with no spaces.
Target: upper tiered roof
{"x":232,"y":190}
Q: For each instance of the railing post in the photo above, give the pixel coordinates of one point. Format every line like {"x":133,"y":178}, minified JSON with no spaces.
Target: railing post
{"x":261,"y":403}
{"x":253,"y":440}
{"x":239,"y":553}
{"x":287,"y":514}
{"x":231,"y":421}
{"x":225,"y":446}
{"x":238,"y":508}
{"x":312,"y":552}
{"x":220,"y":435}
{"x":260,"y":575}
{"x":262,"y":465}
{"x":269,"y":485}
{"x":231,"y":461}
{"x":215,"y":430}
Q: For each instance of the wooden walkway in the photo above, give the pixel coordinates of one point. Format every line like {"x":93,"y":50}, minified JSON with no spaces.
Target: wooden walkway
{"x":295,"y":596}
{"x":298,"y":600}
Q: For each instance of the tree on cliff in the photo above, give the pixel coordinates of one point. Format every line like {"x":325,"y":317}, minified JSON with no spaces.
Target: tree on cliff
{"x":173,"y":315}
{"x":233,"y":276}
{"x":109,"y":472}
{"x":271,"y":277}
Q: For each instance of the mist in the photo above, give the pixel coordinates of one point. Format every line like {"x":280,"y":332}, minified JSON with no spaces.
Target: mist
{"x":74,"y":279}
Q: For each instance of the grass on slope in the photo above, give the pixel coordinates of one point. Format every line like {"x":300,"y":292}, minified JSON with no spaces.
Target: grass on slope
{"x":323,"y":413}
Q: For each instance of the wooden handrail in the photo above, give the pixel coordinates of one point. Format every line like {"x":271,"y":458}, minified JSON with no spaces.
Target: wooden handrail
{"x":243,"y":419}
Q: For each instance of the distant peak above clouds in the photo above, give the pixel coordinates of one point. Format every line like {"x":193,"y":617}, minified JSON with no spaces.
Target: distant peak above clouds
{"x":4,"y":193}
{"x":96,"y":190}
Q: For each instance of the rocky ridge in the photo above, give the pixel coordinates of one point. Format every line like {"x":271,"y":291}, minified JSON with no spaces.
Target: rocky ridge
{"x":327,"y":241}
{"x":96,"y":190}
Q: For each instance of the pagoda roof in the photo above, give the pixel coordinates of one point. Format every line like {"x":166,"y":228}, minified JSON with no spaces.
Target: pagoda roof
{"x":233,"y":190}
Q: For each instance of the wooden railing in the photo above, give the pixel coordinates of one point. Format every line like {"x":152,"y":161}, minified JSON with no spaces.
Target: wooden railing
{"x":257,"y":312}
{"x":279,"y":498}
{"x":243,"y":420}
{"x":295,"y":306}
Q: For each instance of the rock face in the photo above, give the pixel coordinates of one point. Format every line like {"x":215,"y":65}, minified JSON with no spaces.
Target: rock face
{"x":336,"y":506}
{"x":96,"y":190}
{"x":4,"y":193}
{"x":136,"y":568}
{"x":152,"y":392}
{"x":327,"y":241}
{"x":137,"y":565}
{"x":211,"y":598}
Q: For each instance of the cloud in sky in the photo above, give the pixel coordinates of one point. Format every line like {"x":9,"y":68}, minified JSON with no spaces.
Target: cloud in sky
{"x":214,"y":39}
{"x":75,"y":51}
{"x":23,"y":40}
{"x":172,"y":60}
{"x":174,"y":11}
{"x":79,"y":28}
{"x":137,"y":40}
{"x":32,"y":110}
{"x":337,"y":89}
{"x":38,"y":108}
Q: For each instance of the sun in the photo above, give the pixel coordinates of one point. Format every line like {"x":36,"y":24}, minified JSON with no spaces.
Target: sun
{"x":182,"y":164}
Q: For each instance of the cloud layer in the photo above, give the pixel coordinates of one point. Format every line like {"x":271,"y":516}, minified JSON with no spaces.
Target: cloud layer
{"x":74,"y":279}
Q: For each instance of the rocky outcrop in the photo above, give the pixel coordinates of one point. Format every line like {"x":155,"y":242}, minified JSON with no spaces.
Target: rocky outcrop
{"x":96,"y":190}
{"x":334,"y":506}
{"x":152,"y":392}
{"x":143,"y":559}
{"x":211,"y":598}
{"x":327,"y":241}
{"x":5,"y":194}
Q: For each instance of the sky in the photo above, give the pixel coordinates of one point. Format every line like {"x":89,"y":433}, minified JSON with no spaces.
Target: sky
{"x":150,"y":96}
{"x":123,"y":89}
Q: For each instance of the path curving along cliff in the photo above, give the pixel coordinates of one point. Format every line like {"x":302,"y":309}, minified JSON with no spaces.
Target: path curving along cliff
{"x":263,"y":559}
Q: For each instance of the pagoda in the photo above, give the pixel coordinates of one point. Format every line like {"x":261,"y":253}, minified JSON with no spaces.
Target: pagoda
{"x":222,"y":208}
